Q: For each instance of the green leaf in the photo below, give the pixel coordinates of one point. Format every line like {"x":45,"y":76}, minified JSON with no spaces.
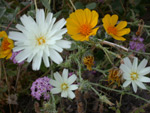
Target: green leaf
{"x":79,"y":5}
{"x":57,"y":14}
{"x":118,"y":111}
{"x":91,"y":5}
{"x":2,"y":11}
{"x":46,"y":4}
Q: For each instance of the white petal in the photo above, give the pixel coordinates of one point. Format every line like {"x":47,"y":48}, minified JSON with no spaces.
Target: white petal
{"x":22,"y":55}
{"x":140,"y":84}
{"x":49,"y":18}
{"x":17,"y":36}
{"x":54,"y":83}
{"x":73,"y":87}
{"x":144,"y":79}
{"x":55,"y":56}
{"x":135,"y":63}
{"x":71,"y":94}
{"x":64,"y":94}
{"x":65,"y":74}
{"x":125,"y":69}
{"x":127,"y":62}
{"x":126,"y":76}
{"x":57,"y":48}
{"x":142,"y":64}
{"x":63,"y":43}
{"x":71,"y":79}
{"x":58,"y":77}
{"x":145,"y":71}
{"x":40,"y":16}
{"x":46,"y":60}
{"x":59,"y":24}
{"x":134,"y":87}
{"x":126,"y":83}
{"x":55,"y":90}
{"x":37,"y":60}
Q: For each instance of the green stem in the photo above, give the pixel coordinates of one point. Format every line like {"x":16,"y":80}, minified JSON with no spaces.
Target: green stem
{"x":79,"y":66}
{"x":35,"y":3}
{"x":122,"y":92}
{"x":72,"y":4}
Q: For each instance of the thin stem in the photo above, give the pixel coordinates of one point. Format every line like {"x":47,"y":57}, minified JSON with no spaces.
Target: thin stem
{"x":35,"y":3}
{"x":72,"y":4}
{"x":18,"y":74}
{"x":122,"y":92}
{"x":7,"y":84}
{"x":0,"y":69}
{"x":79,"y":68}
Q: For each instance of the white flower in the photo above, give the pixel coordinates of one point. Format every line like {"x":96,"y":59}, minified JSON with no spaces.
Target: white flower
{"x":134,"y":73}
{"x":40,"y":40}
{"x":64,"y":84}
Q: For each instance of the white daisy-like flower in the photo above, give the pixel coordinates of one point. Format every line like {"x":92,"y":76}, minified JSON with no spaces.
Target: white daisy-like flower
{"x":63,"y":84}
{"x":40,"y":39}
{"x":134,"y":73}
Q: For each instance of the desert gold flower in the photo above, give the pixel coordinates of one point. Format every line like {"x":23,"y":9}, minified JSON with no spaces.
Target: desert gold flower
{"x":117,"y":31}
{"x":81,"y":24}
{"x":5,"y":46}
{"x":89,"y":62}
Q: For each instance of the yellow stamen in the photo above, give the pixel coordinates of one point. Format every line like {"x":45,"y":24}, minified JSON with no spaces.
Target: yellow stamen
{"x":85,"y":29}
{"x":134,"y":76}
{"x":5,"y":44}
{"x":64,"y":86}
{"x":41,"y":40}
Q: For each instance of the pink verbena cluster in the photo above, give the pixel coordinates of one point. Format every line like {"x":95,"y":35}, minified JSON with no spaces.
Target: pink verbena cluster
{"x":14,"y":54}
{"x":41,"y":87}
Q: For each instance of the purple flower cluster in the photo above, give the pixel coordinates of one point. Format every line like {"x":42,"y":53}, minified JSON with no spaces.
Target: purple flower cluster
{"x":14,"y":54}
{"x":137,"y":44}
{"x":41,"y":87}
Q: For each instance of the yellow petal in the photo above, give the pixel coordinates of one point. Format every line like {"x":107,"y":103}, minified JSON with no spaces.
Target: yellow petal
{"x":3,"y":34}
{"x":106,"y":21}
{"x":9,"y":56}
{"x":123,"y":32}
{"x":118,"y":38}
{"x":72,"y":30}
{"x":79,"y":37}
{"x":94,"y":31}
{"x":88,"y":15}
{"x":114,"y":19}
{"x":72,"y":22}
{"x":80,"y":16}
{"x":94,"y":19}
{"x":121,"y":25}
{"x":73,"y":17}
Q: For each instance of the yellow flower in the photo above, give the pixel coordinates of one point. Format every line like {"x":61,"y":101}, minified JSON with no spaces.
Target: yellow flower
{"x":81,"y":24}
{"x":117,"y":31}
{"x":6,"y":46}
{"x":114,"y":76}
{"x":89,"y":62}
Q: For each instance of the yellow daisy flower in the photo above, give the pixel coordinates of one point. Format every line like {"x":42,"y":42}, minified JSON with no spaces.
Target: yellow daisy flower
{"x":117,"y":31}
{"x":81,"y":24}
{"x":6,"y":46}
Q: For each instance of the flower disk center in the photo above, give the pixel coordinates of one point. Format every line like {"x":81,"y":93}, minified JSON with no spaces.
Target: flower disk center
{"x":134,"y":76}
{"x":41,"y":40}
{"x":112,"y":30}
{"x":85,"y":29}
{"x":64,"y":86}
{"x":5,"y":44}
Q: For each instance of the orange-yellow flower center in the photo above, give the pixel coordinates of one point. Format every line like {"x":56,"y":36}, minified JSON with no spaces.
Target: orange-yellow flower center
{"x":5,"y":44}
{"x":85,"y":29}
{"x":41,"y":40}
{"x":134,"y":76}
{"x":112,"y":30}
{"x":64,"y":86}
